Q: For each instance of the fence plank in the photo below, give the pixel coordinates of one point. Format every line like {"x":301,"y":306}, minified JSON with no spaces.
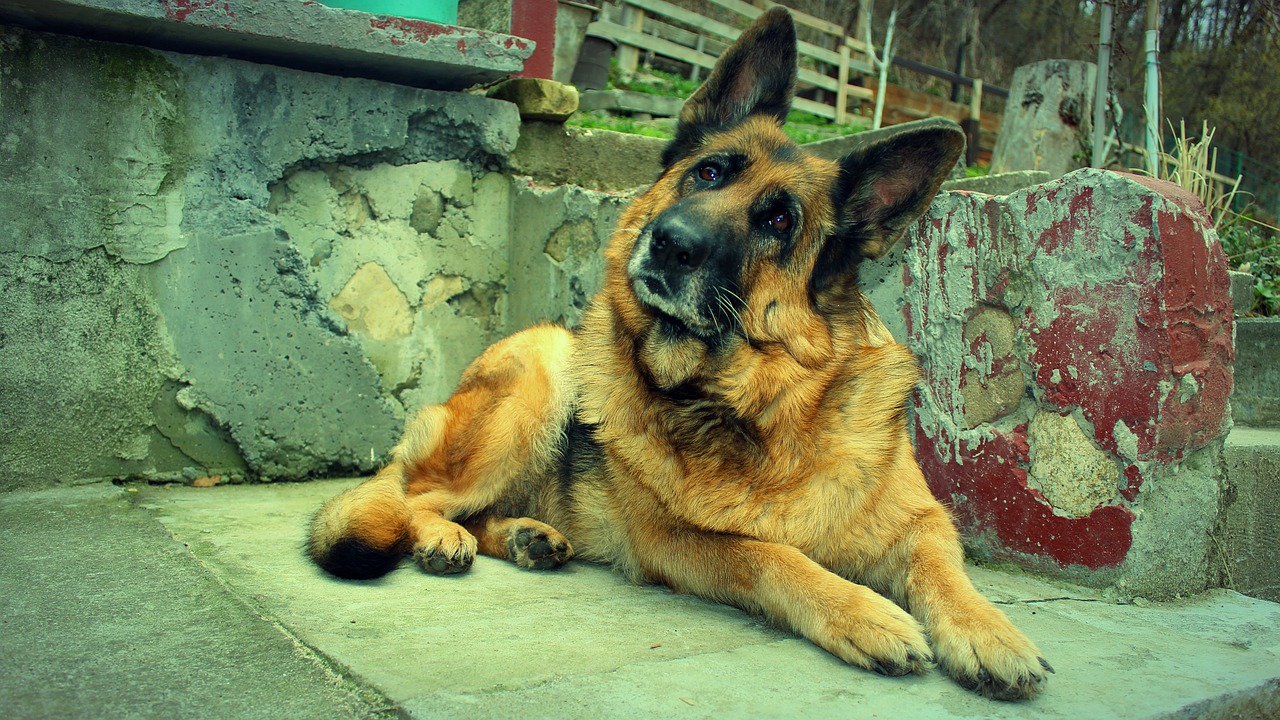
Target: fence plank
{"x":666,"y":9}
{"x":637,"y":39}
{"x":814,"y":108}
{"x":629,"y":57}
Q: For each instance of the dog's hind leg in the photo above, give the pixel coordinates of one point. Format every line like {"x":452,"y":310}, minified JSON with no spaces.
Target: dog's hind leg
{"x":483,"y":450}
{"x":478,"y":451}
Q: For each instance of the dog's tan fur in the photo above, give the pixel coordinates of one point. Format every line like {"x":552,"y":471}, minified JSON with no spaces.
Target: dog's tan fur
{"x":769,"y":468}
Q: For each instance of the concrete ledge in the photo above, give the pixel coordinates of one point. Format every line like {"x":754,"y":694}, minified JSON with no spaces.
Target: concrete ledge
{"x":999,"y":183}
{"x":1256,"y":400}
{"x":502,"y":642}
{"x":303,"y":35}
{"x":554,"y":154}
{"x":632,"y":102}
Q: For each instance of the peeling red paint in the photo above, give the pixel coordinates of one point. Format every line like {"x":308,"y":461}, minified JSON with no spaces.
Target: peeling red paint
{"x":991,"y":495}
{"x":1121,"y":309}
{"x":180,"y":10}
{"x":1133,"y":478}
{"x":408,"y":29}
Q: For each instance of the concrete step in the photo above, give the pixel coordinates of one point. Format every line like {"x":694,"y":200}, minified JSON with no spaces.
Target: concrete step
{"x":1251,"y":517}
{"x":105,"y":615}
{"x":1256,"y":399}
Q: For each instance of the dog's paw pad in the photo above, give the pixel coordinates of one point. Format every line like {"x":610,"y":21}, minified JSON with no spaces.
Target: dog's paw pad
{"x":539,"y":548}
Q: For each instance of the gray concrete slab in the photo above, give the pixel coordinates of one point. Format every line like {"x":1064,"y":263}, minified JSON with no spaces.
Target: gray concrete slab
{"x":105,"y":616}
{"x":305,"y":35}
{"x":581,"y":642}
{"x":1250,"y":531}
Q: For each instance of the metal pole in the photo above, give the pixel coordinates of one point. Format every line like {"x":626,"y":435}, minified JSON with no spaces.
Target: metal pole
{"x":1102,"y":89}
{"x":1153,"y":86}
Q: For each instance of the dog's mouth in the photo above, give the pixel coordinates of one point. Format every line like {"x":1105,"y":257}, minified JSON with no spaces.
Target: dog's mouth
{"x":656,"y":296}
{"x":685,"y":279}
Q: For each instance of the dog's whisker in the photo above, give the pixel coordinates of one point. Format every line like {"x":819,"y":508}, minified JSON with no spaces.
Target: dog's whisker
{"x":732,"y":311}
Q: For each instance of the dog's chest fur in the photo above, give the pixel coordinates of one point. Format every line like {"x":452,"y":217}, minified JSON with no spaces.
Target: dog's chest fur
{"x":719,"y":458}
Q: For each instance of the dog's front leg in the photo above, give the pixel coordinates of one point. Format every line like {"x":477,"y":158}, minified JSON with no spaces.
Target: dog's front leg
{"x":851,"y":621}
{"x":975,"y":643}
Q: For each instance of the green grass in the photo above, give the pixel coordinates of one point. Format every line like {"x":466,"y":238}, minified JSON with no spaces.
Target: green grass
{"x":801,"y":127}
{"x":620,"y":124}
{"x":654,"y":82}
{"x":1255,"y":248}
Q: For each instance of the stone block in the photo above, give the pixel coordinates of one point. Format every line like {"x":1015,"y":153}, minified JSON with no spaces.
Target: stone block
{"x":1050,"y":109}
{"x":554,"y":154}
{"x":539,"y":99}
{"x":1250,"y":531}
{"x":1076,"y":341}
{"x":1242,"y":292}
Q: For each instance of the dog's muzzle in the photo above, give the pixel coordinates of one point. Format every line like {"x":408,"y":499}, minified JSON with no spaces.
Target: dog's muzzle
{"x":676,"y":268}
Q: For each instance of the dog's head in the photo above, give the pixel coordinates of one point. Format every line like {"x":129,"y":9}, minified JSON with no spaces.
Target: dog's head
{"x":747,"y":238}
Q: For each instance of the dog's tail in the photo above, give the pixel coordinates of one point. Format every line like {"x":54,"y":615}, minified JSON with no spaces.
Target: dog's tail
{"x":363,"y":532}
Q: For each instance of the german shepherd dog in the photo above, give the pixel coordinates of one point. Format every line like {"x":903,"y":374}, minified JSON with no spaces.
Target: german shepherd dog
{"x":729,"y":419}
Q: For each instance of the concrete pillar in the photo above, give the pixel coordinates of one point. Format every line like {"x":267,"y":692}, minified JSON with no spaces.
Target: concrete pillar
{"x":1046,"y":118}
{"x":1076,"y":340}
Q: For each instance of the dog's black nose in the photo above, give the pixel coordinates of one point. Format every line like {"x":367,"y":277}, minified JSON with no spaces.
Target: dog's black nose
{"x":680,"y":242}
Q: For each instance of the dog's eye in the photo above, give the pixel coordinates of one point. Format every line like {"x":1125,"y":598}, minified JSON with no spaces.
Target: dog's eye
{"x":709,"y":172}
{"x":780,"y":221}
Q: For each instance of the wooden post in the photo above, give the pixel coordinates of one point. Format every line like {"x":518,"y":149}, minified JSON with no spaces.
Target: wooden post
{"x":842,"y":86}
{"x":629,"y":56}
{"x":1101,"y":90}
{"x":974,"y":129}
{"x":695,"y":72}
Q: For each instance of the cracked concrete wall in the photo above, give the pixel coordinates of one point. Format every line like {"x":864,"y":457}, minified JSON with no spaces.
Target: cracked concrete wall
{"x":219,"y":267}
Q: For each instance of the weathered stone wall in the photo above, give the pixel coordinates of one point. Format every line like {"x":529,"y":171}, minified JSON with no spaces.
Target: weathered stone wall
{"x":220,"y":267}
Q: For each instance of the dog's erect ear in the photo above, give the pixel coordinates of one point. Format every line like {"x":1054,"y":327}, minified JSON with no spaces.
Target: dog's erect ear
{"x":883,"y":188}
{"x":757,"y":75}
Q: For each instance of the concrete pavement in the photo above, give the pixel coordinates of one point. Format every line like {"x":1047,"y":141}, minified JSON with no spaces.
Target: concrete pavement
{"x":105,"y":615}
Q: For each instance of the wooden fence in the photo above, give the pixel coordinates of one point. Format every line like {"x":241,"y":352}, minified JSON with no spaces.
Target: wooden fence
{"x":846,"y":73}
{"x":643,"y":30}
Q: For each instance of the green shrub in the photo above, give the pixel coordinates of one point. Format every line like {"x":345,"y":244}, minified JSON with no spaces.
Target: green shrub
{"x":1255,"y":248}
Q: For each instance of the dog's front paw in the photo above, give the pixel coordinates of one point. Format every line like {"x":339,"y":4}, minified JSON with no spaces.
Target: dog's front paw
{"x":537,"y":546}
{"x":448,"y":551}
{"x":871,"y":632}
{"x":985,"y":653}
